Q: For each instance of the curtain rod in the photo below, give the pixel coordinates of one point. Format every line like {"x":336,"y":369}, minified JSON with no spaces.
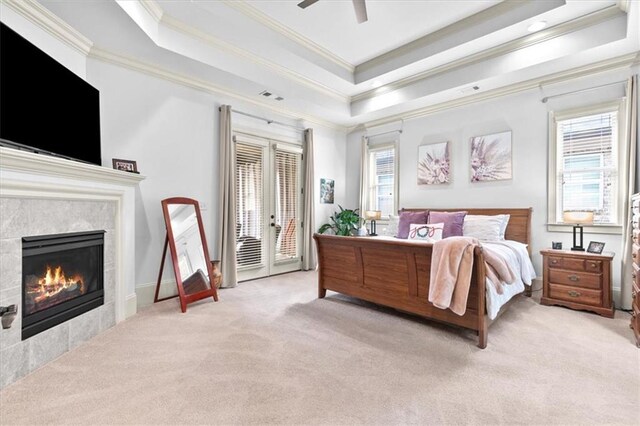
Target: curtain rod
{"x":267,"y":120}
{"x":383,"y":133}
{"x":545,"y":99}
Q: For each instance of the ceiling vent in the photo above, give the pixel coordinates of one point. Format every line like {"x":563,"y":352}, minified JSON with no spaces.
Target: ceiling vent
{"x":266,"y":93}
{"x":469,"y":89}
{"x":279,"y":98}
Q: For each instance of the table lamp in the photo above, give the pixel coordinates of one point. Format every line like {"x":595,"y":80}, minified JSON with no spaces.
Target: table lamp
{"x":373,"y":215}
{"x":579,"y":218}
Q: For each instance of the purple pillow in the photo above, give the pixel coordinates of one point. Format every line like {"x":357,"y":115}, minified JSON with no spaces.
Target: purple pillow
{"x":453,"y":222}
{"x":407,"y":218}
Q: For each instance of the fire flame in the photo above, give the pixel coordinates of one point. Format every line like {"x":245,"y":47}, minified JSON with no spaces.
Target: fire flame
{"x":54,"y":282}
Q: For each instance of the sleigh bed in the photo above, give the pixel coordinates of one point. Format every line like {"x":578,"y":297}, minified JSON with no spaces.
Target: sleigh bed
{"x":395,"y":273}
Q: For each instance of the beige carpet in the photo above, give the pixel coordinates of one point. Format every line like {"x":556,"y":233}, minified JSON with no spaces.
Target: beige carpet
{"x":270,"y":353}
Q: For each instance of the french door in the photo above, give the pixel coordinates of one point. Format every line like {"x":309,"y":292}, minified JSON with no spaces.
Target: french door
{"x":268,"y":207}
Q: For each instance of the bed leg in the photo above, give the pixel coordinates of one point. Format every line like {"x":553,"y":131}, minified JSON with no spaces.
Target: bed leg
{"x":527,"y":290}
{"x":321,"y":292}
{"x":483,"y":334}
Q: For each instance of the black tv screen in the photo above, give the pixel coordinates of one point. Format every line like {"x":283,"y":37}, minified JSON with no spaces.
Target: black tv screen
{"x":44,"y":105}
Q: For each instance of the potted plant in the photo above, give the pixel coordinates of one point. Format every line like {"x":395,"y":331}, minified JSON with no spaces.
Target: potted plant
{"x":344,"y":222}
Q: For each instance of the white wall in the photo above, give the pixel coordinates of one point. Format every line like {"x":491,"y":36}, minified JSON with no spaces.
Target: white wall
{"x":527,"y":117}
{"x":172,"y":132}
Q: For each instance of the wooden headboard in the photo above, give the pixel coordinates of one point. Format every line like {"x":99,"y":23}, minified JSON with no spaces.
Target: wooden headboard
{"x":518,"y":228}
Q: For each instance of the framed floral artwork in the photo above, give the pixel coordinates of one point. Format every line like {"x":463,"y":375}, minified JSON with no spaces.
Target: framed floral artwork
{"x":491,"y":157}
{"x":433,"y":164}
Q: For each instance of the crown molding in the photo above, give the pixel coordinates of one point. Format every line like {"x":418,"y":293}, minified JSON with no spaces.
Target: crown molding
{"x":44,"y":19}
{"x":199,"y":84}
{"x":162,"y":18}
{"x":193,"y":32}
{"x":500,"y":50}
{"x":619,"y":62}
{"x":153,"y":9}
{"x":294,"y":36}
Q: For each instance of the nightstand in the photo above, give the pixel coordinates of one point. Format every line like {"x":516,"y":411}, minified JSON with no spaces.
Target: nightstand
{"x":578,"y":280}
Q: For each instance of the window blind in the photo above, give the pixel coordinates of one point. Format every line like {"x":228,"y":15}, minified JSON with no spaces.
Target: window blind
{"x":587,"y":165}
{"x":382,"y":179}
{"x":249,"y":204}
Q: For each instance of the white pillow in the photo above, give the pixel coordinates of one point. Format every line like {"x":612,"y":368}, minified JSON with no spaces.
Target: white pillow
{"x":430,"y":233}
{"x":391,"y":230}
{"x":485,"y":228}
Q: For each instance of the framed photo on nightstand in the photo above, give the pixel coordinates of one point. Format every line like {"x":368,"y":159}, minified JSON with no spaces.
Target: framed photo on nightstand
{"x":595,"y":247}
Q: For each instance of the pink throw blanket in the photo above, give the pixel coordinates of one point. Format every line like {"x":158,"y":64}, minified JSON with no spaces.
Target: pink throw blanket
{"x":451,"y":269}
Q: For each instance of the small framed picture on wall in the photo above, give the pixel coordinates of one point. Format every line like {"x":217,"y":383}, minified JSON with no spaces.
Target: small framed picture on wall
{"x":326,"y":191}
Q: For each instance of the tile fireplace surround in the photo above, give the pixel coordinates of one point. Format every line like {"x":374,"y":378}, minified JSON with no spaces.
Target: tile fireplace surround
{"x":42,"y":195}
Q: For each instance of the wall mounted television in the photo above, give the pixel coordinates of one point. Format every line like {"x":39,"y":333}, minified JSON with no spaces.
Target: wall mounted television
{"x":44,"y":107}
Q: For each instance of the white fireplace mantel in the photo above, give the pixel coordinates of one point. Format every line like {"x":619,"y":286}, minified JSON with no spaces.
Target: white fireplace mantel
{"x":28,"y":175}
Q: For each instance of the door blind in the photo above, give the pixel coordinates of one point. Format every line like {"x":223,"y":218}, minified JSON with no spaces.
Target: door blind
{"x":287,"y":201}
{"x":249,"y":204}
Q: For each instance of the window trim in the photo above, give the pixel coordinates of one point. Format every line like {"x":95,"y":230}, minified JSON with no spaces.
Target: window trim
{"x":371,"y":148}
{"x":620,"y":147}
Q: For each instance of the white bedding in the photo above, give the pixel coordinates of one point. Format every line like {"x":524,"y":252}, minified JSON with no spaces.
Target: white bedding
{"x":516,"y":255}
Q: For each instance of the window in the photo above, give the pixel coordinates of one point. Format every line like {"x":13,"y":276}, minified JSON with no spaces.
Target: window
{"x":584,"y":152}
{"x":382,"y":180}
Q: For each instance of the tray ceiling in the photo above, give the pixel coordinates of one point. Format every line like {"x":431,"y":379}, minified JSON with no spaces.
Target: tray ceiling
{"x":409,"y":55}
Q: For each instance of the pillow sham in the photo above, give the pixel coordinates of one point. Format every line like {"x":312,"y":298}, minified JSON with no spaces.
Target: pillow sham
{"x":407,"y":218}
{"x":485,"y":228}
{"x":391,"y":230}
{"x":430,"y":233}
{"x":453,"y":222}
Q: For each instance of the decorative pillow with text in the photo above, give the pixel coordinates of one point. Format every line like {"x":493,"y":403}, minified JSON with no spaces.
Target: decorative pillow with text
{"x":429,"y":233}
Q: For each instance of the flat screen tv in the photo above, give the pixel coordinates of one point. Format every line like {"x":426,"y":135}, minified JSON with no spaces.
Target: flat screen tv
{"x":43,"y":105}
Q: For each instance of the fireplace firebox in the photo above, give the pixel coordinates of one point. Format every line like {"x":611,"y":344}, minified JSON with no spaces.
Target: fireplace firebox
{"x":62,"y":277}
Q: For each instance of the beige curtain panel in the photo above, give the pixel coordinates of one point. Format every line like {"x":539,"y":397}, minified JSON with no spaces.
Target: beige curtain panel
{"x":227,"y":204}
{"x":308,"y":245}
{"x":632,"y":139}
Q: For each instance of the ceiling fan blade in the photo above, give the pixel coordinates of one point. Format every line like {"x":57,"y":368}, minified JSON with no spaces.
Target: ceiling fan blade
{"x":361,"y":10}
{"x":306,"y":3}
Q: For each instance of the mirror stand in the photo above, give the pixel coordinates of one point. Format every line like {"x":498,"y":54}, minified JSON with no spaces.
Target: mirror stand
{"x":189,"y":254}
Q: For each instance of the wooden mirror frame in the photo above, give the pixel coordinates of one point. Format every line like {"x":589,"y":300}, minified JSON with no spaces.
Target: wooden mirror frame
{"x":169,"y":241}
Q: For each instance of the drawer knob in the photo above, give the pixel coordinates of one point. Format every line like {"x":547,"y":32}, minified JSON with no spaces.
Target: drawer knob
{"x":594,"y":265}
{"x":633,"y":275}
{"x":573,"y":293}
{"x":554,"y":261}
{"x":574,"y":278}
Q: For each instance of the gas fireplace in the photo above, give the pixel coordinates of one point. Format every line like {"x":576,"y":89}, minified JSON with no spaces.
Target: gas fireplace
{"x":62,"y":277}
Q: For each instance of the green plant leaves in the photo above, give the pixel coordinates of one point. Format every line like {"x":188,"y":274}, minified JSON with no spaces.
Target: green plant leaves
{"x":344,"y":222}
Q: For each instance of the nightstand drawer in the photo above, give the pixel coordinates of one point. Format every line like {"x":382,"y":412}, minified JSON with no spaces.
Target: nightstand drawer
{"x":555,"y":262}
{"x":635,"y":274}
{"x":634,"y":253}
{"x":635,"y":294}
{"x":593,"y":266}
{"x":575,"y":294}
{"x":573,"y":264}
{"x":570,"y":278}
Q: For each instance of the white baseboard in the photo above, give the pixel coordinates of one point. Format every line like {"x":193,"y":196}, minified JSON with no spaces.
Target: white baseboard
{"x":146,"y":292}
{"x":131,"y":306}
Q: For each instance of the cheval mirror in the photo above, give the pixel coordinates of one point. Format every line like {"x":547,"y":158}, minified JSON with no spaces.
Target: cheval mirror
{"x":189,"y":253}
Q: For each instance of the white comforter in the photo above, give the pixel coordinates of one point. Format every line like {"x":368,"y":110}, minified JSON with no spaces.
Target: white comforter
{"x":517,"y":257}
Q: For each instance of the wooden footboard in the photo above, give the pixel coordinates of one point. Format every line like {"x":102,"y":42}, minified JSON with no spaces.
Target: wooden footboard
{"x":395,"y":273}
